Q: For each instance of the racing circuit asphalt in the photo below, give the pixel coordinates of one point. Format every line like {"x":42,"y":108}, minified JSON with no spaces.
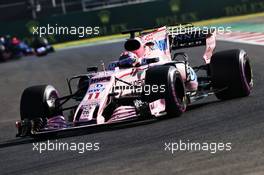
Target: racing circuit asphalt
{"x":136,"y":149}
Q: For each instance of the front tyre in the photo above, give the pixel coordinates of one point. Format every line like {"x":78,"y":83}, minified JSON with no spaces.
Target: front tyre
{"x":174,"y":93}
{"x":39,"y":102}
{"x":37,"y":105}
{"x":231,"y":74}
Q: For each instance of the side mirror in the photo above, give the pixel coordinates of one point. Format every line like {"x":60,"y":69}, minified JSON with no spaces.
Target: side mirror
{"x":149,"y":60}
{"x":92,"y":69}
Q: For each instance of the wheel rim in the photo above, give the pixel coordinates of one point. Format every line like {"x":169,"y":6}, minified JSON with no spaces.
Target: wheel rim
{"x":248,"y":73}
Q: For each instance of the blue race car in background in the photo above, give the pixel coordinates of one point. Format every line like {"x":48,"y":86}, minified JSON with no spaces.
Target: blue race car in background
{"x":13,"y":47}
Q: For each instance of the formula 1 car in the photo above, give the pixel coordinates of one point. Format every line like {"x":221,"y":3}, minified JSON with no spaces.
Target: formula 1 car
{"x":41,"y":46}
{"x":20,"y":48}
{"x":148,"y":81}
{"x":5,"y":54}
{"x":8,"y":49}
{"x":13,"y":47}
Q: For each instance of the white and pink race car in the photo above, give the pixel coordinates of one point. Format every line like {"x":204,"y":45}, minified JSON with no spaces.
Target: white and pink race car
{"x":150,"y":80}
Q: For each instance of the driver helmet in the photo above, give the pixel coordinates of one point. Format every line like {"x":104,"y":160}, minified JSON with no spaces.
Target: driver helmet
{"x":15,"y":41}
{"x":128,"y":59}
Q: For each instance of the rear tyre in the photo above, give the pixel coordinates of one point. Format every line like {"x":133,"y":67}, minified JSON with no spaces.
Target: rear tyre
{"x":231,"y":74}
{"x":174,"y":94}
{"x":39,"y":102}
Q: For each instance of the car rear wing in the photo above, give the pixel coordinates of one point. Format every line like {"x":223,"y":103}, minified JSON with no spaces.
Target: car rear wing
{"x":187,"y":35}
{"x":184,"y":36}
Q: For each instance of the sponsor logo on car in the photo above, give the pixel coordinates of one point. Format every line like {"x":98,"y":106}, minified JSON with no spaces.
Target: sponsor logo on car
{"x":97,"y":88}
{"x":101,"y":79}
{"x":161,"y":44}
